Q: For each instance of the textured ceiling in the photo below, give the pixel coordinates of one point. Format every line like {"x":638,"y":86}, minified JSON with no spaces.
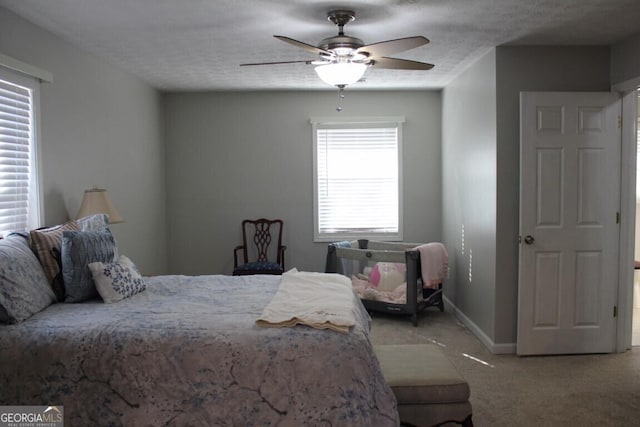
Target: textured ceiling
{"x":193,"y":45}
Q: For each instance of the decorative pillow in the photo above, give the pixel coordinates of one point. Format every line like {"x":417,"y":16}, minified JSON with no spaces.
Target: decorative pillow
{"x":24,"y":289}
{"x":96,"y":222}
{"x":79,"y":249}
{"x":45,"y":243}
{"x":117,"y":280}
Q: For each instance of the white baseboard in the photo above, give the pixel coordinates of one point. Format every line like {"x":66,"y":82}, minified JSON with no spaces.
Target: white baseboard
{"x":508,"y":348}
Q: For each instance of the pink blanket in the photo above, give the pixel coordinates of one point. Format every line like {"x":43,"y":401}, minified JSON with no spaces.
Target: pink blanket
{"x":434,"y":264}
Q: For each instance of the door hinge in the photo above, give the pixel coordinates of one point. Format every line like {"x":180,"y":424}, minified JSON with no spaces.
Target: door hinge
{"x":615,"y":311}
{"x":619,"y":122}
{"x":617,"y":217}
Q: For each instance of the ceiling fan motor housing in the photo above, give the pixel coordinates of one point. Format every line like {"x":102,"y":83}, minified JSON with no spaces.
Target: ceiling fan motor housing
{"x":338,"y":42}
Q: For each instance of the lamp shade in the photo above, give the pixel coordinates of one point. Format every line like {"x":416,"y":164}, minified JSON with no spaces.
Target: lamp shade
{"x":341,"y":73}
{"x":96,"y":201}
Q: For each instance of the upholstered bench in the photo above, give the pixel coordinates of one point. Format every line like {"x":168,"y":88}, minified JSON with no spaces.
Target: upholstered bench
{"x":429,"y":389}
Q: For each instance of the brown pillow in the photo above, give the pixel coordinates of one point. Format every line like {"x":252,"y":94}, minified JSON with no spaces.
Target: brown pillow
{"x":46,"y":243}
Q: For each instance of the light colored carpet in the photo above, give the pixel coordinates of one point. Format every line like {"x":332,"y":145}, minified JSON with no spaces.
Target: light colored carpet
{"x":507,"y":390}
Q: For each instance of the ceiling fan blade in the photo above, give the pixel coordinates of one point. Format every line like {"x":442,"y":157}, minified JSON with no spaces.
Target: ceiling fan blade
{"x":400,"y":64}
{"x":308,"y":61}
{"x":309,"y":48}
{"x":378,"y":50}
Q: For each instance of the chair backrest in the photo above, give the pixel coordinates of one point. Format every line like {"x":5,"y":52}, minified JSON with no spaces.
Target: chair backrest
{"x":257,"y":238}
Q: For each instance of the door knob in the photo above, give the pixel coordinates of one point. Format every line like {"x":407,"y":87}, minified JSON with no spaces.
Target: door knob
{"x":528,"y":239}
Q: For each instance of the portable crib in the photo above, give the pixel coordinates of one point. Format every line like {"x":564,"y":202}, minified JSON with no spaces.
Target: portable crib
{"x":354,"y":258}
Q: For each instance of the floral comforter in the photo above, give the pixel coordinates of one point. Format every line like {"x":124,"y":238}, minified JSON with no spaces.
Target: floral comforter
{"x":187,"y":352}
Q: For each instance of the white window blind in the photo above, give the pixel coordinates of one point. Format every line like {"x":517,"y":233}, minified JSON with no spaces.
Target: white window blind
{"x":358,"y":186}
{"x":18,"y":190}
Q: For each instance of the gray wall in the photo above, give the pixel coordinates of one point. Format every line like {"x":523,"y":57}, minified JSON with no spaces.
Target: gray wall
{"x":481,"y":171}
{"x":625,"y":62}
{"x":469,"y":191}
{"x":232,"y":156}
{"x":99,"y":127}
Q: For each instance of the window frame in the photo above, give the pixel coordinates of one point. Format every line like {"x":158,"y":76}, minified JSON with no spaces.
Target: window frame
{"x":32,"y":83}
{"x":341,"y":122}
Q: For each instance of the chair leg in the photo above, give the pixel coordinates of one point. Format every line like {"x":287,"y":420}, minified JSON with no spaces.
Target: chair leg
{"x":468,"y":422}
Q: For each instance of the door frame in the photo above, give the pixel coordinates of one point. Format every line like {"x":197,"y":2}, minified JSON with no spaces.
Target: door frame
{"x":628,"y":154}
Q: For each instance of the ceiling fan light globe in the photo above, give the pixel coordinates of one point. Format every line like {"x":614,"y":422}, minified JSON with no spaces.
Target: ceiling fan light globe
{"x":344,"y":73}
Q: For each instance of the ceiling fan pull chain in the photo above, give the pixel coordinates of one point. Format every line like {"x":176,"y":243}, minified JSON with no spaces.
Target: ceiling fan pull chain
{"x":340,"y":97}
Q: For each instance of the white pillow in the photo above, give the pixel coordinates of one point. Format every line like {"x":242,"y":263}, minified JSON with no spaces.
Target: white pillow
{"x":117,"y":280}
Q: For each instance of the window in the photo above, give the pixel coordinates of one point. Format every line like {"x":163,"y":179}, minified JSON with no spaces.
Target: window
{"x":19,"y":199}
{"x":357,"y":178}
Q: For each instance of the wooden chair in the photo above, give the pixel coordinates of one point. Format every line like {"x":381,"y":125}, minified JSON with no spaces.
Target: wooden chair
{"x":257,"y":238}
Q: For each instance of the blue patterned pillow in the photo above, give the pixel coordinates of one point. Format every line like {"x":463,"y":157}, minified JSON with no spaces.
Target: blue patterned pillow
{"x":79,"y":249}
{"x":24,"y":288}
{"x":117,"y":280}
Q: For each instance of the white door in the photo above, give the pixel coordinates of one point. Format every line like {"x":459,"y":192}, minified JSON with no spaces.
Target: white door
{"x":569,"y":222}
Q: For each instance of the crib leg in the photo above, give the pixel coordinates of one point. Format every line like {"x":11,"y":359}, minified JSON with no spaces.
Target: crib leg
{"x":440,"y":298}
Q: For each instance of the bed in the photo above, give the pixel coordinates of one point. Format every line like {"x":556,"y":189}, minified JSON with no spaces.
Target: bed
{"x":187,"y":351}
{"x":401,"y":285}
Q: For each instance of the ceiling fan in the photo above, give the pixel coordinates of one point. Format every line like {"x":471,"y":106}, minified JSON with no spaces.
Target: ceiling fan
{"x":342,"y":59}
